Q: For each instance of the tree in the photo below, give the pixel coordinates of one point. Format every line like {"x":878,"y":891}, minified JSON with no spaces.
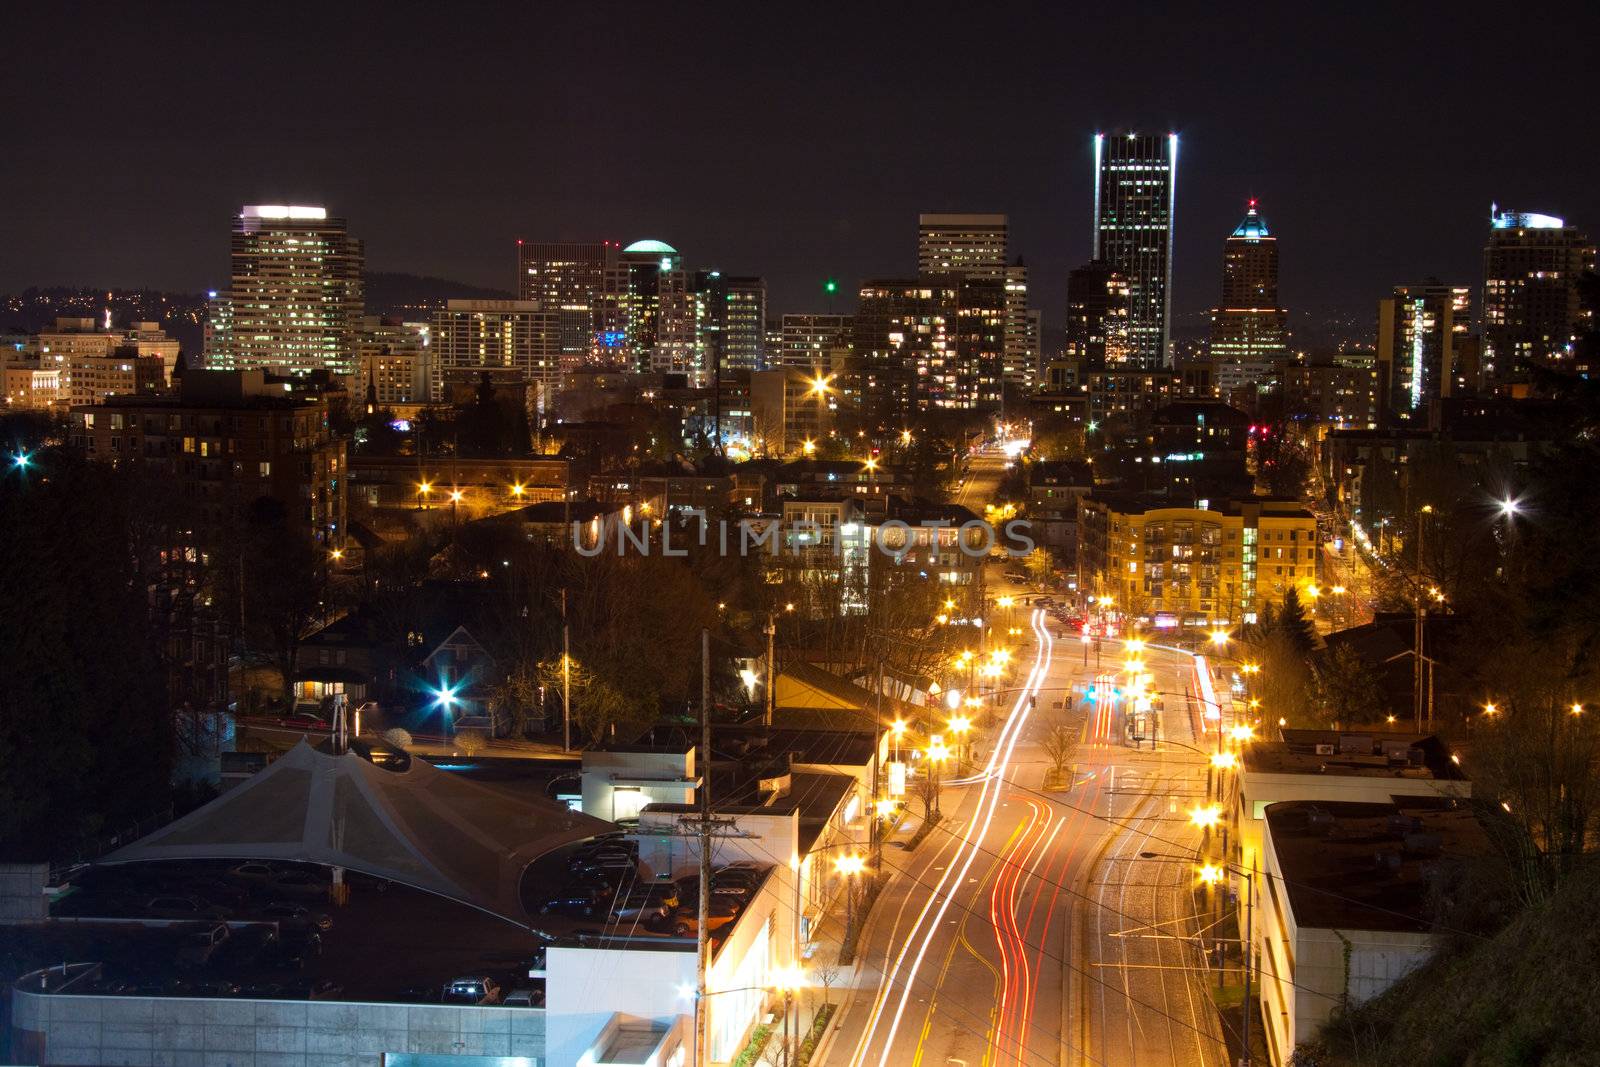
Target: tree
{"x":86,"y":733}
{"x":1040,"y":566}
{"x":1060,"y":743}
{"x":285,"y":579}
{"x":1344,"y":689}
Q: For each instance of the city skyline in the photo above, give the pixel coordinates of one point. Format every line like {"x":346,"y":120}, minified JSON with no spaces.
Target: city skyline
{"x":840,"y":208}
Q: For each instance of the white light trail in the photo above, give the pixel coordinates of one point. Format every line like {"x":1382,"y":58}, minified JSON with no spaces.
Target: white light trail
{"x":931,"y":917}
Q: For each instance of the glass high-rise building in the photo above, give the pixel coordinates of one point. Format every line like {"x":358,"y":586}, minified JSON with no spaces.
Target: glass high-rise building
{"x":1135,"y":197}
{"x":1531,"y":311}
{"x":1248,"y":328}
{"x":295,"y":302}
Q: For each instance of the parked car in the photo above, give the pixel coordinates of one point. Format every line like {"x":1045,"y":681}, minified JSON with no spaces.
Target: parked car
{"x":613,"y":865}
{"x":737,"y":890}
{"x":575,"y":900}
{"x":289,"y":914}
{"x":175,"y":907}
{"x":524,"y":998}
{"x":299,"y":884}
{"x":200,"y":945}
{"x":471,"y":990}
{"x":685,"y":921}
{"x":641,"y":906}
{"x":254,"y":872}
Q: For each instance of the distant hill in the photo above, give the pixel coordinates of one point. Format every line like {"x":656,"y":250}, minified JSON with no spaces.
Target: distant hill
{"x":394,"y":293}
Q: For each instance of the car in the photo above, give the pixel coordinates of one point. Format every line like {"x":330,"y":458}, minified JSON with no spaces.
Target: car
{"x":575,"y":900}
{"x":200,"y":945}
{"x":299,"y":884}
{"x":289,"y":914}
{"x":524,"y":998}
{"x":215,"y":891}
{"x":686,"y":921}
{"x":644,"y":904}
{"x":599,"y":849}
{"x":253,"y":872}
{"x":473,"y":989}
{"x":175,"y":907}
{"x":736,"y":890}
{"x":613,"y":865}
{"x":1016,"y":576}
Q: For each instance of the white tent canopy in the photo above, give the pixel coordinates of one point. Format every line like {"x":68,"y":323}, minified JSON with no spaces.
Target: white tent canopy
{"x":421,"y":827}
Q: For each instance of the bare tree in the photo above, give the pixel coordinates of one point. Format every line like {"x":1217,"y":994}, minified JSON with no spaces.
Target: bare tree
{"x":1060,"y":743}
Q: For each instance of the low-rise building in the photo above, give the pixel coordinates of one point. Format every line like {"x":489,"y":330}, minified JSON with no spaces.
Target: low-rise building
{"x":1342,"y":903}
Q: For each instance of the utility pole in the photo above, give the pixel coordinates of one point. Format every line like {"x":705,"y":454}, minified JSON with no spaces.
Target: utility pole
{"x":772,"y":666}
{"x":875,"y":817}
{"x":1421,"y":617}
{"x":566,"y":678}
{"x":702,"y":934}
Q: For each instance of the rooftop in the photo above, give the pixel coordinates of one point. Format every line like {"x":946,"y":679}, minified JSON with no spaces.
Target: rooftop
{"x":1373,"y":753}
{"x":1368,"y":866}
{"x":650,"y":246}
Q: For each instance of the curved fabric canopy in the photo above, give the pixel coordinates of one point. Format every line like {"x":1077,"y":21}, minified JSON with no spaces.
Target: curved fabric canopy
{"x":421,"y":827}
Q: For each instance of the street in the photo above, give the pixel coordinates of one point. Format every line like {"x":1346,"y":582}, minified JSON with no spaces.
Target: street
{"x":1026,"y":929}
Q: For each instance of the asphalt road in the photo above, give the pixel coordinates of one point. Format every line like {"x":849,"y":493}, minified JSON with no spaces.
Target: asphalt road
{"x":1026,"y":929}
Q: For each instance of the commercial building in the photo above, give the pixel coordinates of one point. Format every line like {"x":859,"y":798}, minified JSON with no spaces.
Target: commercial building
{"x":817,"y":341}
{"x":1421,"y":329}
{"x":1248,"y":328}
{"x":1342,"y":903}
{"x":974,"y":245}
{"x":736,"y":321}
{"x":294,"y":303}
{"x":1020,"y":363}
{"x":1531,"y":307}
{"x":1334,"y":389}
{"x":80,"y":361}
{"x":932,"y":342}
{"x":788,"y":407}
{"x":518,"y":337}
{"x":394,"y":364}
{"x":1215,"y":562}
{"x":227,"y":438}
{"x":1135,"y":198}
{"x":1097,"y":317}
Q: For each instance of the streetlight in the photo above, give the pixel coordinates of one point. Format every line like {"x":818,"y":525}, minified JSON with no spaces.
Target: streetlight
{"x":21,"y":460}
{"x":423,"y":489}
{"x":517,"y":489}
{"x":1219,"y":638}
{"x":960,"y":725}
{"x":787,"y":980}
{"x":937,"y":754}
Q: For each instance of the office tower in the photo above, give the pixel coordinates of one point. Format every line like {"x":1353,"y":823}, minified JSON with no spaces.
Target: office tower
{"x":816,"y":341}
{"x":295,"y":301}
{"x":1248,"y":328}
{"x":1135,"y":196}
{"x":1531,"y":311}
{"x":1097,"y":317}
{"x":904,"y":331}
{"x":1420,"y":328}
{"x":570,"y":277}
{"x":962,"y":244}
{"x":736,"y":320}
{"x":1338,"y":388}
{"x":983,"y":338}
{"x":394,"y":363}
{"x":1021,"y":361}
{"x":515,"y":341}
{"x":1033,"y":337}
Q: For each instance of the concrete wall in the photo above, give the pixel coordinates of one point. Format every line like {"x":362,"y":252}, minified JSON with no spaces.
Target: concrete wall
{"x":236,"y":1032}
{"x":646,"y":778}
{"x":22,"y":898}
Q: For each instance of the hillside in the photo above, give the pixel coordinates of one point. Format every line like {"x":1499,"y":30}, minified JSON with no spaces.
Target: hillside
{"x":1523,"y":998}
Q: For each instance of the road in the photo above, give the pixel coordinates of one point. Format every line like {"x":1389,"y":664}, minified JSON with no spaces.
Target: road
{"x":982,"y":483}
{"x":1026,"y":929}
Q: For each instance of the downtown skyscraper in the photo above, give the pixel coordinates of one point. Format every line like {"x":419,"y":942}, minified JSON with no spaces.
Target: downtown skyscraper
{"x":977,"y":248}
{"x":1135,"y":197}
{"x":295,"y":299}
{"x":1531,"y":310}
{"x":1248,"y":328}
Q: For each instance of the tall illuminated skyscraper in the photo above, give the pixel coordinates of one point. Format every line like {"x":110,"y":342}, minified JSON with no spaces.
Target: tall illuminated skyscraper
{"x":1531,"y":311}
{"x":1135,"y":197}
{"x":296,"y":294}
{"x":1248,"y":328}
{"x":1421,"y":330}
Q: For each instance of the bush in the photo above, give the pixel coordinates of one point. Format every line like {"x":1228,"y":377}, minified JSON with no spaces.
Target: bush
{"x":397,"y":738}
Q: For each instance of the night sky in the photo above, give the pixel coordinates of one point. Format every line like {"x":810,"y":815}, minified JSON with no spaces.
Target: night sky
{"x":792,"y":140}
